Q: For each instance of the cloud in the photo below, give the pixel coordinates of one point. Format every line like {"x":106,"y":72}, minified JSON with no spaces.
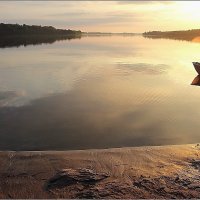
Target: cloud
{"x":6,"y":97}
{"x":107,"y":16}
{"x":138,"y":2}
{"x":145,"y":68}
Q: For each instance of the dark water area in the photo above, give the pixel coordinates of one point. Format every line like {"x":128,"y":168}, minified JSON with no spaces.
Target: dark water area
{"x":24,"y":40}
{"x":99,"y":92}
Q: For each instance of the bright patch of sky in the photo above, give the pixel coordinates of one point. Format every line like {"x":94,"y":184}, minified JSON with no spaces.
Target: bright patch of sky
{"x":104,"y":16}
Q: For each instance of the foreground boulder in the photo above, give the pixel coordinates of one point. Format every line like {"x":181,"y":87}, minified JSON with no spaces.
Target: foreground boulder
{"x":73,"y":176}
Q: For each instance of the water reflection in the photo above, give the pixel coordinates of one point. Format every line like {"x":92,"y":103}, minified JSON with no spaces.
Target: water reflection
{"x":98,"y":92}
{"x":196,"y":81}
{"x":8,"y":97}
{"x":180,"y":37}
{"x":82,"y":119}
{"x":16,"y":41}
{"x":145,"y":68}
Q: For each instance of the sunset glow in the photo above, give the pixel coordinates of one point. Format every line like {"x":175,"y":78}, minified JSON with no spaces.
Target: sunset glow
{"x":109,"y":16}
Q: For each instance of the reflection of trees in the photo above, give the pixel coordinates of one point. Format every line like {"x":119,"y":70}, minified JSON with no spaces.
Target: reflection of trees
{"x":11,"y":41}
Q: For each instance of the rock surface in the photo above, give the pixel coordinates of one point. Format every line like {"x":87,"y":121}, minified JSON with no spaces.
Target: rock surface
{"x":74,"y":176}
{"x":124,"y":173}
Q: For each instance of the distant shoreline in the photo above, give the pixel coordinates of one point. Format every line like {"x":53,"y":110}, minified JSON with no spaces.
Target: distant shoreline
{"x":15,"y":35}
{"x":108,"y":33}
{"x":187,"y":35}
{"x":16,"y":29}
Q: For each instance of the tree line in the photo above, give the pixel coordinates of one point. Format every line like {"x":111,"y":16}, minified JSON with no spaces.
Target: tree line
{"x":179,"y":35}
{"x":16,"y":29}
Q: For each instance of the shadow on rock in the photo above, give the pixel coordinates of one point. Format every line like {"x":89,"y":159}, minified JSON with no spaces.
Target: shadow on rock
{"x":68,"y":177}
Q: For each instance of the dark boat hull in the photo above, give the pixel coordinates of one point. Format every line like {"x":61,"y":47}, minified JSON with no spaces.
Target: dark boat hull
{"x":196,"y":81}
{"x":197,"y":67}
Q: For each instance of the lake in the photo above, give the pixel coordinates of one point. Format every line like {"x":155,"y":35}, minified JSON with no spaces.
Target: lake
{"x":99,"y":92}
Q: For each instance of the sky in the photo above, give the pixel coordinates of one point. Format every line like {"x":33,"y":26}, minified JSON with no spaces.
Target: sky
{"x":104,"y":16}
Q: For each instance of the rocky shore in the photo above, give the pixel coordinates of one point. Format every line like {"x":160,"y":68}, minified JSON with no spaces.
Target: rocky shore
{"x":140,"y":172}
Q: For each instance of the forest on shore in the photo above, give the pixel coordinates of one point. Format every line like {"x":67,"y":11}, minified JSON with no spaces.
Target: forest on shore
{"x":16,"y":35}
{"x":16,"y":29}
{"x":188,"y":35}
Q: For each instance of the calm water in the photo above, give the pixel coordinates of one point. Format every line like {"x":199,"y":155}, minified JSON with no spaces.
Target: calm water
{"x":99,"y":92}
